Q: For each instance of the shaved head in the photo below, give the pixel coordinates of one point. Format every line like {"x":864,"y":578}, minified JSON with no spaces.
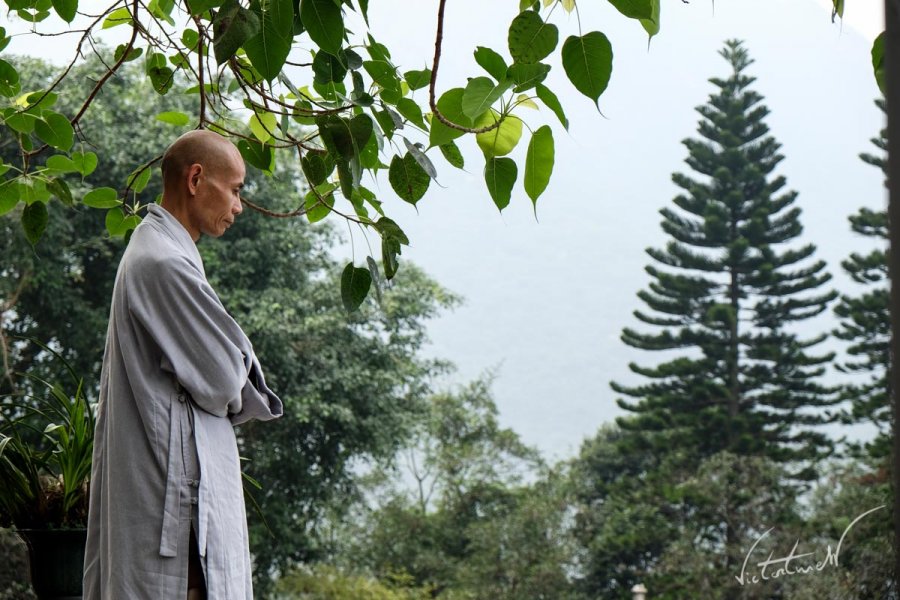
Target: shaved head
{"x":199,"y":146}
{"x":203,"y":174}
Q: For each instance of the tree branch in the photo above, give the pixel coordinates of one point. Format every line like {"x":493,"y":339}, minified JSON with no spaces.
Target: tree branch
{"x":432,"y":102}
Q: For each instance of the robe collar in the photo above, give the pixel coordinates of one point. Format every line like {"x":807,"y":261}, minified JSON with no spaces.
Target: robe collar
{"x":162,"y":220}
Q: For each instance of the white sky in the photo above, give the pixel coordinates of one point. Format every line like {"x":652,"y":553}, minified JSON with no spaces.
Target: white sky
{"x":546,"y":302}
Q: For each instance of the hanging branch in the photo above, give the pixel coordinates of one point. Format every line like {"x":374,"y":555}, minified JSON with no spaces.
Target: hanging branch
{"x":432,"y":102}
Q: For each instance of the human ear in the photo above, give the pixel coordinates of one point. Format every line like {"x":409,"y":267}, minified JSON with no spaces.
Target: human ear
{"x":193,"y":178}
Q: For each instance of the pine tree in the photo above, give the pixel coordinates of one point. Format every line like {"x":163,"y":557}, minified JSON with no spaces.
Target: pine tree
{"x":725,"y":293}
{"x":865,"y":321}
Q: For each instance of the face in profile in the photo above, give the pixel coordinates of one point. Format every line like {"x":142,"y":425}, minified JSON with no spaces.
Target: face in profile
{"x":217,"y":200}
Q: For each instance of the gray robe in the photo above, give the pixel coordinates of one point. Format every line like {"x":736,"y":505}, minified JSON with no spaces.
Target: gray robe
{"x":177,"y":374}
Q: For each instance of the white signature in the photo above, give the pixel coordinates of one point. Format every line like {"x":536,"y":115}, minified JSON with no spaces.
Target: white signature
{"x":832,"y":558}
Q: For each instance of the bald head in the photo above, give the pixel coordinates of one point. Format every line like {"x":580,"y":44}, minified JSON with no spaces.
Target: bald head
{"x":203,"y":174}
{"x":197,"y":147}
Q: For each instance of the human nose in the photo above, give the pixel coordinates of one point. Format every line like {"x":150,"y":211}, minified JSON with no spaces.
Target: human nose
{"x":237,"y":206}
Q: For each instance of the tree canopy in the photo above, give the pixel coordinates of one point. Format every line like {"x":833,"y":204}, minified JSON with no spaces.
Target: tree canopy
{"x":308,"y":82}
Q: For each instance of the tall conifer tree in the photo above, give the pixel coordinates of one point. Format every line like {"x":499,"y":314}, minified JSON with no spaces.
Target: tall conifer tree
{"x":725,"y":294}
{"x":865,"y":320}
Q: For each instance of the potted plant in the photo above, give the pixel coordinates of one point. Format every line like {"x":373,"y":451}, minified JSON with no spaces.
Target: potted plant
{"x":46,"y":443}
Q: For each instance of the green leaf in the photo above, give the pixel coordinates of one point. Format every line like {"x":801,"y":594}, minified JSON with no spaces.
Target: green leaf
{"x":421,"y":158}
{"x":324,"y":23}
{"x":539,"y":162}
{"x":34,"y":221}
{"x":530,"y":39}
{"x":392,"y":237}
{"x":66,"y":9}
{"x":22,"y":122}
{"x":417,"y":79}
{"x":500,"y":140}
{"x":837,"y":9}
{"x":587,"y":61}
{"x":104,"y":197}
{"x":139,"y":179}
{"x":651,"y":25}
{"x":383,"y":73}
{"x":451,"y":152}
{"x":132,"y":54}
{"x":635,"y":9}
{"x":263,"y":125}
{"x":197,"y":7}
{"x":257,"y":154}
{"x":120,"y":16}
{"x":9,"y":196}
{"x":172,"y":117}
{"x":552,"y":102}
{"x":345,"y":137}
{"x":410,"y":109}
{"x":877,"y":62}
{"x":39,"y":101}
{"x":85,"y":162}
{"x":328,"y":68}
{"x":527,"y":76}
{"x":317,"y":165}
{"x":59,"y":188}
{"x":63,"y":164}
{"x":269,"y":49}
{"x":450,"y":105}
{"x":389,"y":229}
{"x":232,"y":26}
{"x":479,"y":95}
{"x":491,"y":62}
{"x":355,"y":283}
{"x":408,"y":178}
{"x":4,"y":39}
{"x":317,"y":209}
{"x":31,"y":190}
{"x":9,"y":80}
{"x":117,"y":224}
{"x":500,"y":176}
{"x":55,"y":129}
{"x":161,"y":78}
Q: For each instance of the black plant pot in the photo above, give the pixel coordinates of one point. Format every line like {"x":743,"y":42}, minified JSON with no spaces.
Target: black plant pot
{"x":56,"y":557}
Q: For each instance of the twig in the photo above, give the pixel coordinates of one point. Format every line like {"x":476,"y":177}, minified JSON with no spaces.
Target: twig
{"x":432,"y":102}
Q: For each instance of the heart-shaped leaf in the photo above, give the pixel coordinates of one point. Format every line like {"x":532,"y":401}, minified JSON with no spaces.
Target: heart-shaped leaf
{"x":55,"y":129}
{"x":530,"y":39}
{"x":34,"y":221}
{"x":500,"y":176}
{"x":232,"y":26}
{"x":587,"y":61}
{"x":479,"y":95}
{"x":408,"y":178}
{"x":500,"y":140}
{"x":355,"y":284}
{"x":269,"y":49}
{"x":635,"y":9}
{"x":491,"y":62}
{"x":450,"y":105}
{"x":324,"y":23}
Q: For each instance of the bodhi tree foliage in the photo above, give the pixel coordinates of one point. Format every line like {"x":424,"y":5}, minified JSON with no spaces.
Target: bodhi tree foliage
{"x":304,"y":81}
{"x":291,"y":80}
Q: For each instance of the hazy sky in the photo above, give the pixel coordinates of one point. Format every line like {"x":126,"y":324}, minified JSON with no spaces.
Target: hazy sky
{"x":546,"y":301}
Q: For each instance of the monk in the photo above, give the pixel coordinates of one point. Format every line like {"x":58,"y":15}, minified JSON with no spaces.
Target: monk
{"x":167,"y":518}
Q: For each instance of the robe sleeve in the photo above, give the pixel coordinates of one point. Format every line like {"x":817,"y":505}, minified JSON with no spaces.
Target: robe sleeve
{"x":199,"y":342}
